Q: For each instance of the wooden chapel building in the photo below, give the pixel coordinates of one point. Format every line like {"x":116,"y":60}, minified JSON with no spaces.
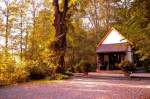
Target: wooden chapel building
{"x":112,"y":50}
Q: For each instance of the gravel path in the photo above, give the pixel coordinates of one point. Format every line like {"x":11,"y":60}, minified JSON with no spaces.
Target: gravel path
{"x":79,"y":88}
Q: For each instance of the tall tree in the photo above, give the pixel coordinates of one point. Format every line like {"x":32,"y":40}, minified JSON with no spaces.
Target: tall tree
{"x":8,"y":11}
{"x":133,"y":20}
{"x":61,"y":31}
{"x":34,"y":10}
{"x":22,"y":23}
{"x":7,"y":15}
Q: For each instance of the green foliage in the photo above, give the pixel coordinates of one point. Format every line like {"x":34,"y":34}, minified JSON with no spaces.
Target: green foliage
{"x":9,"y":72}
{"x":20,"y":74}
{"x":38,"y":70}
{"x":60,"y":76}
{"x":147,"y":68}
{"x":146,"y":65}
{"x":81,"y":43}
{"x":6,"y":68}
{"x":83,"y":66}
{"x":39,"y":55}
{"x":127,"y":66}
{"x":68,"y":72}
{"x":135,"y":26}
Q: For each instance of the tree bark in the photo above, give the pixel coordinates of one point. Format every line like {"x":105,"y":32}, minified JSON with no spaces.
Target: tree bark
{"x":7,"y":23}
{"x":21,"y":33}
{"x":6,"y":35}
{"x":61,"y":31}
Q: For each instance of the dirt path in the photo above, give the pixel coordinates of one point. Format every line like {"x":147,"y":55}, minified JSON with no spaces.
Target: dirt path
{"x":79,"y":88}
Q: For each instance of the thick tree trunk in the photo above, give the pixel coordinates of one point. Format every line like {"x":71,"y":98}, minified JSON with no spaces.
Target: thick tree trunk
{"x":61,"y":30}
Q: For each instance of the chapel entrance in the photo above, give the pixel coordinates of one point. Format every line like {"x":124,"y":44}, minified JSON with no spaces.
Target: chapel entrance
{"x":109,"y":61}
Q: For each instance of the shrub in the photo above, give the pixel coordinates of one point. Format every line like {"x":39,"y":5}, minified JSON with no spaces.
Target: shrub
{"x":7,"y":77}
{"x":60,"y":76}
{"x":127,"y":66}
{"x":9,"y":71}
{"x":83,"y":66}
{"x":7,"y":68}
{"x":147,"y":68}
{"x":37,"y":70}
{"x":21,"y":74}
{"x":92,"y":68}
{"x":78,"y":68}
{"x":68,"y":72}
{"x":146,"y":65}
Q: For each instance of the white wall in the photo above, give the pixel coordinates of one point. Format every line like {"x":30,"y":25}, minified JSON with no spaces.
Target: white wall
{"x":114,"y":37}
{"x":129,"y":55}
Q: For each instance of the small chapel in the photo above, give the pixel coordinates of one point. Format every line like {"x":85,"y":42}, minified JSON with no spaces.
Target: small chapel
{"x":112,"y":50}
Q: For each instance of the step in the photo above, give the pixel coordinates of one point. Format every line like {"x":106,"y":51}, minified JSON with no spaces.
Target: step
{"x":141,"y":75}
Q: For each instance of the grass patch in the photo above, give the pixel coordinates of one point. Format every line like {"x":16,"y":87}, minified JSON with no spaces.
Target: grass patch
{"x":47,"y":81}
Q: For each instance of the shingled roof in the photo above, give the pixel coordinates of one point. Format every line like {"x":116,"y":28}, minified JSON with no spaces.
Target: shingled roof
{"x":119,"y":47}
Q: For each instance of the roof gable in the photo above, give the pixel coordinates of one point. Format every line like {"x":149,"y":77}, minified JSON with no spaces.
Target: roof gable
{"x":111,"y":41}
{"x":114,"y":37}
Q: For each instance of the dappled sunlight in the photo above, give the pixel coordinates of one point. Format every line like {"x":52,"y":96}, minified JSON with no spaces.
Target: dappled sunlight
{"x":94,"y":90}
{"x":85,"y":83}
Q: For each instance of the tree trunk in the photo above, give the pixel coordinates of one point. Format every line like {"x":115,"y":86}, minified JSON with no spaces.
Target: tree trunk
{"x":6,"y":35}
{"x":60,"y":30}
{"x":21,"y":34}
